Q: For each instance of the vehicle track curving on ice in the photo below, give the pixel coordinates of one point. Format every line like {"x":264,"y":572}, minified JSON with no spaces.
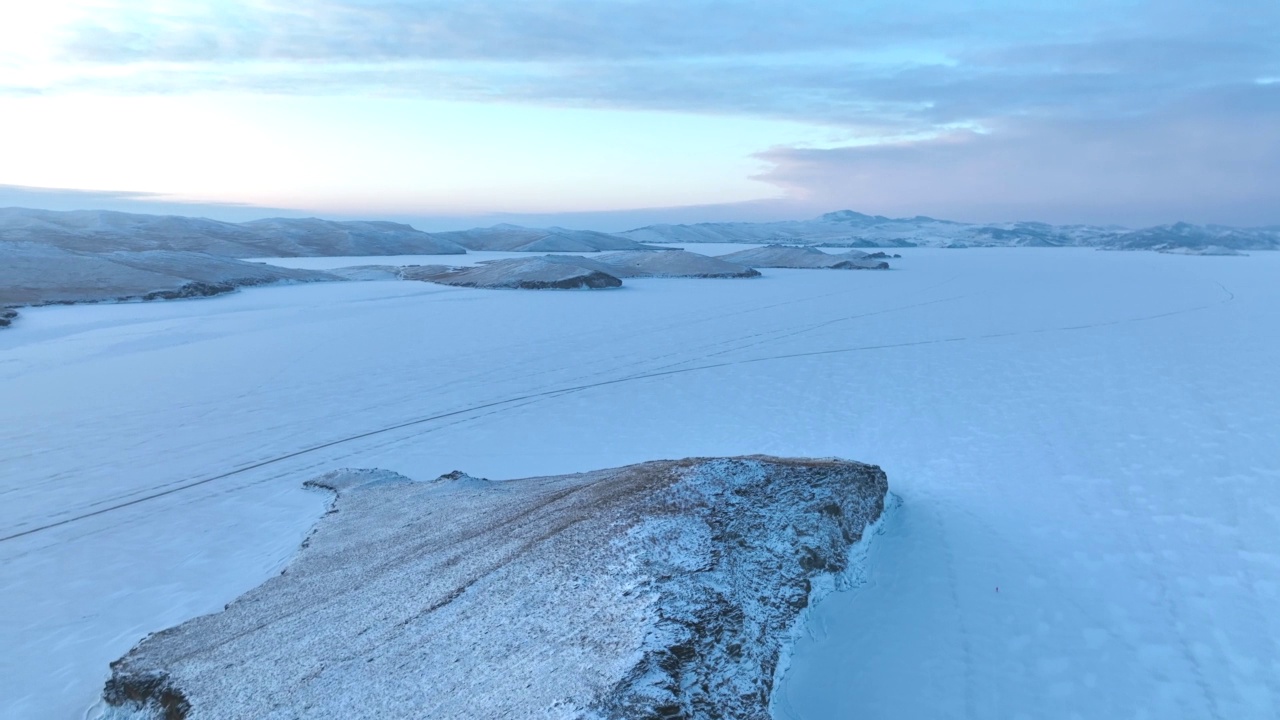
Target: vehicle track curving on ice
{"x":156,"y":492}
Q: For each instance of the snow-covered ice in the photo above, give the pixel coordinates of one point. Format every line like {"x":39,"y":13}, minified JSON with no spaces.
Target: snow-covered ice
{"x":1093,"y":433}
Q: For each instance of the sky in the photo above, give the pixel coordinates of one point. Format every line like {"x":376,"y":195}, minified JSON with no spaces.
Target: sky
{"x":617,"y":113}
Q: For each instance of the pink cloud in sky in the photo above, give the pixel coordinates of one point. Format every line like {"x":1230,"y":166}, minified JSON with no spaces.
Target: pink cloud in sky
{"x":1214,"y":158}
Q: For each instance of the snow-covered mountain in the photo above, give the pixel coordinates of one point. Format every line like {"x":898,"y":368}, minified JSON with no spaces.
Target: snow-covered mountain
{"x":515,"y":238}
{"x":104,"y":231}
{"x":847,"y":228}
{"x":1199,"y":237}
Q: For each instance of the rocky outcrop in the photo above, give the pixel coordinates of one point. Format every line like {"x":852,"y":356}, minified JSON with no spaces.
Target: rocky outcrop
{"x":672,"y":264}
{"x":537,"y":273}
{"x":790,"y":256}
{"x":7,"y":316}
{"x":666,"y":589}
{"x":573,"y":271}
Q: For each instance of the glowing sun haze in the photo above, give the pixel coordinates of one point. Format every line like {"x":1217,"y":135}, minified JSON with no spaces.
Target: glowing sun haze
{"x":579,"y":110}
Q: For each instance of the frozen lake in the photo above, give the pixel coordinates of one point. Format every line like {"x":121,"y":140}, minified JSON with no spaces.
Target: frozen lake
{"x":1094,"y":434}
{"x":472,"y":257}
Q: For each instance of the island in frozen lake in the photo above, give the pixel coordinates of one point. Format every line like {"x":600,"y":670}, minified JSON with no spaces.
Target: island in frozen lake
{"x":667,"y":589}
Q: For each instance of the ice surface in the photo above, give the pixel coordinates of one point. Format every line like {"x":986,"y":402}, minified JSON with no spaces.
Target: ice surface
{"x":1093,"y":433}
{"x":625,"y":593}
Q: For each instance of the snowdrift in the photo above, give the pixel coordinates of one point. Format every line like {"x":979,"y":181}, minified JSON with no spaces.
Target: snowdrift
{"x":664,"y":589}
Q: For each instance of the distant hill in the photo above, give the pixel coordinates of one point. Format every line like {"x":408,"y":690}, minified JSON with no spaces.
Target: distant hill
{"x":106,"y":231}
{"x":1197,"y":237}
{"x":38,"y":274}
{"x":847,"y":228}
{"x":514,"y":238}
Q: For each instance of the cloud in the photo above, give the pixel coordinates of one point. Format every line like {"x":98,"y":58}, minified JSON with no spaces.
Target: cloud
{"x":238,"y":30}
{"x":879,"y":68}
{"x":1214,"y":157}
{"x":1039,"y":93}
{"x":130,"y":201}
{"x":605,"y":220}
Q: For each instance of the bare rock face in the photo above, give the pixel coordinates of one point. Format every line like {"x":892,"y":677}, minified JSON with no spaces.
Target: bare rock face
{"x":519,"y":273}
{"x":666,"y":589}
{"x":787,"y":256}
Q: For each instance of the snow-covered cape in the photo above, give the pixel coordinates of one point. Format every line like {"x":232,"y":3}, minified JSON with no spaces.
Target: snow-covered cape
{"x":664,"y":589}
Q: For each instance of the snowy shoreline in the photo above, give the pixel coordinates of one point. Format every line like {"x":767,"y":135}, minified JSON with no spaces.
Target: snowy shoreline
{"x":853,"y":576}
